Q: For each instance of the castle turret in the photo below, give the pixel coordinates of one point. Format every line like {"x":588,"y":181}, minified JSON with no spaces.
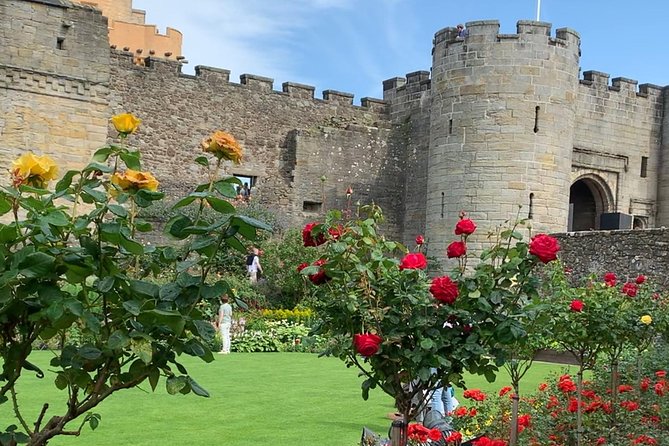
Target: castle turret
{"x":501,"y":127}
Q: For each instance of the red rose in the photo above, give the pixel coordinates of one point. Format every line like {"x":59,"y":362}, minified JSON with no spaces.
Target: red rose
{"x":474,"y":394}
{"x":465,"y":227}
{"x":610,"y":279}
{"x":367,"y":344}
{"x":661,"y":373}
{"x":301,"y":266}
{"x":456,"y":249}
{"x":544,"y":247}
{"x":434,"y":434}
{"x":309,"y":239}
{"x":320,"y":277}
{"x":504,"y":390}
{"x":444,"y":289}
{"x":414,"y":260}
{"x":576,"y":305}
{"x":420,"y":240}
{"x":630,"y":289}
{"x":640,"y":279}
{"x":336,"y":232}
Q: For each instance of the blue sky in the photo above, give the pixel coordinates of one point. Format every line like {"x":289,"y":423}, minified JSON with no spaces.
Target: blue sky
{"x":353,"y":45}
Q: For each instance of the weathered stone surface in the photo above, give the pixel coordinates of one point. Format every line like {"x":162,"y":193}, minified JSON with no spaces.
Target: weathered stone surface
{"x":499,"y":121}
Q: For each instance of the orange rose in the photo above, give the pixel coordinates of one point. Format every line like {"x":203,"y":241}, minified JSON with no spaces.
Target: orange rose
{"x":224,"y":146}
{"x":135,"y":180}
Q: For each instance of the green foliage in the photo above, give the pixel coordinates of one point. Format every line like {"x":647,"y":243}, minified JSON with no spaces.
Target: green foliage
{"x":284,"y":286}
{"x":276,"y":336}
{"x":80,"y":267}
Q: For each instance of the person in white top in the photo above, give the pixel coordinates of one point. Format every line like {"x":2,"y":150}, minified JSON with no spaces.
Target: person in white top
{"x":224,"y":323}
{"x":253,"y":265}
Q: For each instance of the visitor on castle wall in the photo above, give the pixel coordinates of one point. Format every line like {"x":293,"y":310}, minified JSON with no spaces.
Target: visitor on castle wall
{"x":253,"y":265}
{"x":224,"y":323}
{"x":462,"y":32}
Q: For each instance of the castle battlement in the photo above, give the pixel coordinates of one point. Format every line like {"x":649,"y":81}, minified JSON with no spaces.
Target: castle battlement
{"x":487,"y":31}
{"x":220,"y":77}
{"x":599,"y":82}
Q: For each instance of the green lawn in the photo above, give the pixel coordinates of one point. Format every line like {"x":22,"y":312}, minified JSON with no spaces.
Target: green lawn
{"x":278,"y":399}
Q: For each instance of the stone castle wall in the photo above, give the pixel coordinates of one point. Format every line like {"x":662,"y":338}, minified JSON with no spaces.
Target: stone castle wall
{"x":501,"y":127}
{"x":616,"y":126}
{"x":626,"y":253}
{"x":54,"y":75}
{"x":290,"y":138}
{"x":469,"y":138}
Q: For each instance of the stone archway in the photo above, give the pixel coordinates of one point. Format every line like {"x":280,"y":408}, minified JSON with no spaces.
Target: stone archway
{"x":589,"y":197}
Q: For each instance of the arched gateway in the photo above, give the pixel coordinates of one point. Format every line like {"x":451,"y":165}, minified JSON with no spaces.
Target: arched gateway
{"x":589,"y":198}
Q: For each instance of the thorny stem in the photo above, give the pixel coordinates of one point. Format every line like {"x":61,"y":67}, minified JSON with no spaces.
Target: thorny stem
{"x":19,"y":417}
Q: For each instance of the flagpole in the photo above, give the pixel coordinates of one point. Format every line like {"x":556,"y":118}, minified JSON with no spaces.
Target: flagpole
{"x":538,"y":10}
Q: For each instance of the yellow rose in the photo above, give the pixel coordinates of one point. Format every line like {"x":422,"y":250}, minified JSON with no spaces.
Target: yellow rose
{"x":223,"y":145}
{"x":646,"y":319}
{"x":125,"y":123}
{"x":34,"y":170}
{"x":135,"y":180}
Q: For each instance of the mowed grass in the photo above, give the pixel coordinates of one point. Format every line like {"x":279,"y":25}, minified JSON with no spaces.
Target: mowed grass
{"x":278,"y":399}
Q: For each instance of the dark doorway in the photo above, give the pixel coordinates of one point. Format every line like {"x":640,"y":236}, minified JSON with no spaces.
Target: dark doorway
{"x":584,"y":207}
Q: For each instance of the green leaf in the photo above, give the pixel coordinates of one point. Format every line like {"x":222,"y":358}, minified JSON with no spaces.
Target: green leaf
{"x":176,"y":226}
{"x":142,"y":348}
{"x":93,"y":421}
{"x":184,"y":202}
{"x":154,"y":376}
{"x":117,"y":210}
{"x":37,"y":264}
{"x":66,"y":181}
{"x":102,"y":154}
{"x":205,"y":330}
{"x":5,"y":206}
{"x":95,"y":195}
{"x":118,"y":340}
{"x":475,"y":294}
{"x":131,"y":159}
{"x":202,"y":161}
{"x":89,"y":352}
{"x":225,"y":188}
{"x":169,"y":291}
{"x":131,"y":246}
{"x":149,"y":195}
{"x":174,"y":384}
{"x":253,"y":222}
{"x":143,"y":226}
{"x":197,"y":389}
{"x":133,"y":307}
{"x":233,"y":242}
{"x":74,"y":307}
{"x":56,"y":218}
{"x":426,"y":344}
{"x":97,"y":166}
{"x":220,"y":205}
{"x":146,"y":289}
{"x":105,"y":284}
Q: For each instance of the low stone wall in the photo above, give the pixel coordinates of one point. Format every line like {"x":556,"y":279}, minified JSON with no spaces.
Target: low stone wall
{"x":626,"y":253}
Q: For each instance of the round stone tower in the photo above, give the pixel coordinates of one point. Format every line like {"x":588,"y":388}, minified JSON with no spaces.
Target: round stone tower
{"x":501,"y":128}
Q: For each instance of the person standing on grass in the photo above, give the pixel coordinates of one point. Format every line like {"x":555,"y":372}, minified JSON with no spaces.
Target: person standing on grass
{"x":224,"y":323}
{"x":253,"y":265}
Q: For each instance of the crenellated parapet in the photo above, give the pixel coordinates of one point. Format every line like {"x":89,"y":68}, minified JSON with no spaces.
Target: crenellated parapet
{"x":598,"y":85}
{"x":220,"y":78}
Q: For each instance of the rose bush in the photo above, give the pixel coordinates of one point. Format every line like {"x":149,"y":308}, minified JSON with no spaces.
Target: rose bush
{"x":70,"y":257}
{"x":428,"y":331}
